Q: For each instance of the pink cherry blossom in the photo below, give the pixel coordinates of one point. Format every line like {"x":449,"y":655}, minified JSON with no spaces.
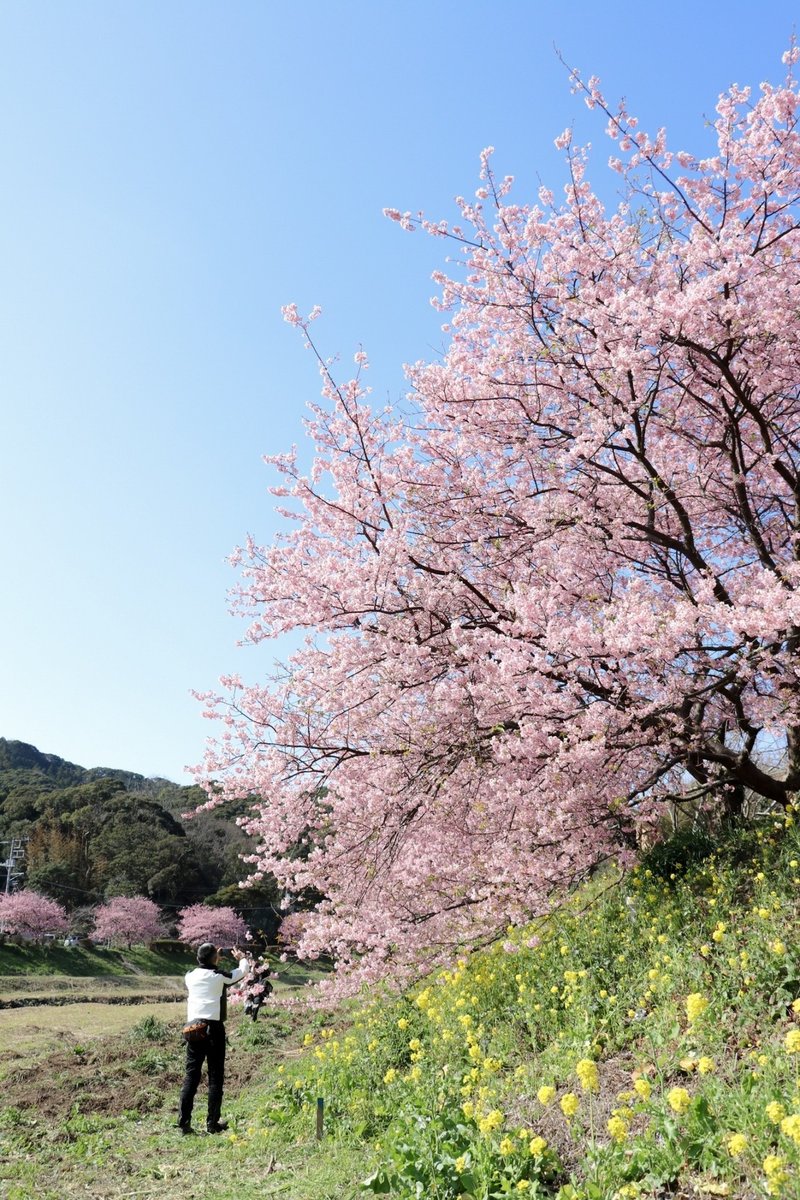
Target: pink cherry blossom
{"x":28,"y":913}
{"x":204,"y":923}
{"x":555,"y":594}
{"x":132,"y":920}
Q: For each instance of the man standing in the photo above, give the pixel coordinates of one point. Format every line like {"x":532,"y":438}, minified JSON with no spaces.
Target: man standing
{"x":207,"y":1002}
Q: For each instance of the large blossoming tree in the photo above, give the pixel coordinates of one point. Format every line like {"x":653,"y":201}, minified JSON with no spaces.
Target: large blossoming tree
{"x":200,"y":923}
{"x":31,"y":915}
{"x":561,"y":590}
{"x":132,"y":920}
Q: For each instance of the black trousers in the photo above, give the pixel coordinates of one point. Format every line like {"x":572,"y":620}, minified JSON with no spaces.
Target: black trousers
{"x":211,"y":1048}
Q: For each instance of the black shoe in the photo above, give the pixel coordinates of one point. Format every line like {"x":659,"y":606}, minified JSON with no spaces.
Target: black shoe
{"x":218,"y":1127}
{"x":186,"y":1130}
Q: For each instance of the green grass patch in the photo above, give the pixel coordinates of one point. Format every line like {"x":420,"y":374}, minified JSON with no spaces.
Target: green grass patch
{"x":80,"y":961}
{"x":641,"y":1042}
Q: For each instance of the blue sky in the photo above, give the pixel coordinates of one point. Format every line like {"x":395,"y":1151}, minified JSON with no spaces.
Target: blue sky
{"x":172,"y":174}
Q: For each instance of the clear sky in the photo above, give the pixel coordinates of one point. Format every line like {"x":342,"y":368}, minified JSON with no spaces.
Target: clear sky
{"x":172,"y":173}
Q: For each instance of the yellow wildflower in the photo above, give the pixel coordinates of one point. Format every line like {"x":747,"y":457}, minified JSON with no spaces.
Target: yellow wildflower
{"x":737,"y":1144}
{"x":678,"y":1099}
{"x":776,"y":1173}
{"x":545,"y":1094}
{"x":775,"y":1112}
{"x":468,"y":1109}
{"x":792,"y":1041}
{"x":506,"y":1146}
{"x":791,"y":1127}
{"x":460,"y":1163}
{"x":617,"y":1128}
{"x":390,"y":1075}
{"x":537,"y":1147}
{"x":642,"y":1088}
{"x":569,"y":1104}
{"x":402,"y":1023}
{"x":523,"y":1185}
{"x":696,"y":1005}
{"x":586,"y":1070}
{"x":706,"y":1065}
{"x":491,"y":1121}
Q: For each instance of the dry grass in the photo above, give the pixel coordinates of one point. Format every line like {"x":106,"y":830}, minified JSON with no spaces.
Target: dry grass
{"x":28,"y":1034}
{"x":16,"y":987}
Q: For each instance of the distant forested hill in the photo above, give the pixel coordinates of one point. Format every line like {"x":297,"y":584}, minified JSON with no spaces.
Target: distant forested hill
{"x":101,"y":832}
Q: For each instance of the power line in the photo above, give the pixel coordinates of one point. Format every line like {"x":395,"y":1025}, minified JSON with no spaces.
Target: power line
{"x":13,"y":861}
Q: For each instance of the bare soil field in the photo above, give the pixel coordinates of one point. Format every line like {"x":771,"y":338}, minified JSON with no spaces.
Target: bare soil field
{"x":106,"y":1061}
{"x":31,"y":1033}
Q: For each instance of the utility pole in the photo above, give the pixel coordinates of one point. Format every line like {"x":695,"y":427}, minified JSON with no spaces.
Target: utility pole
{"x":13,"y":860}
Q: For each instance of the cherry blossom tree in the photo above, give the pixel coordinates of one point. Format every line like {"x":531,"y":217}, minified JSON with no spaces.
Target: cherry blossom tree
{"x":32,"y":915}
{"x":201,"y":923}
{"x":134,"y":920}
{"x":559,"y":588}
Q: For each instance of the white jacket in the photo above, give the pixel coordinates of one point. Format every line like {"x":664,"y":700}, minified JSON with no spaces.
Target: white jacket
{"x":205,"y":990}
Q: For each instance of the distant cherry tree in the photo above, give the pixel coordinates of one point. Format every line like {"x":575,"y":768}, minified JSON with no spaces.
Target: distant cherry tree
{"x":32,"y":915}
{"x":132,"y":920}
{"x":557,"y":590}
{"x":201,"y":923}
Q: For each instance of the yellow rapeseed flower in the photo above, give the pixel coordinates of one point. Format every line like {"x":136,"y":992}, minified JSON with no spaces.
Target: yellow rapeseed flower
{"x":537,"y":1147}
{"x":792,"y":1041}
{"x":617,"y":1128}
{"x":706,"y":1065}
{"x":775,"y":1112}
{"x":776,"y":1173}
{"x":460,"y":1163}
{"x":791,"y":1127}
{"x":569,"y":1104}
{"x":696,"y":1005}
{"x":545,"y":1094}
{"x":506,"y":1146}
{"x":737,"y":1144}
{"x":586,"y":1070}
{"x":390,"y":1075}
{"x":678,"y":1099}
{"x":642,"y":1087}
{"x":491,"y":1121}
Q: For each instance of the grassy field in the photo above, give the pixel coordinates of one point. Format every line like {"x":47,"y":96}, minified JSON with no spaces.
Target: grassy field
{"x":640,"y":1043}
{"x":96,"y":962}
{"x":29,"y":1035}
{"x":89,"y":1111}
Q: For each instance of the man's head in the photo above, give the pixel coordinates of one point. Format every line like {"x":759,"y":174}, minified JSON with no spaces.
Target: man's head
{"x":207,"y":955}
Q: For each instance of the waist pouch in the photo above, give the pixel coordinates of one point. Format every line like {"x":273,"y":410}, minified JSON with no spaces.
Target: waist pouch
{"x":197,"y":1031}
